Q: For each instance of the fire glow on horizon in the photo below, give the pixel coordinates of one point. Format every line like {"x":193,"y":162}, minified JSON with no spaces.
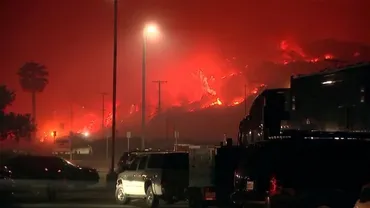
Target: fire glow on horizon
{"x":207,"y":88}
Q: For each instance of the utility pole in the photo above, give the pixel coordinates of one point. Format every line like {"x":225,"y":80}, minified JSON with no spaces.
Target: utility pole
{"x":167,"y":125}
{"x":245,"y":100}
{"x":143,"y":93}
{"x":114,"y":90}
{"x":159,"y":82}
{"x":71,"y":118}
{"x":103,"y":94}
{"x":71,"y":133}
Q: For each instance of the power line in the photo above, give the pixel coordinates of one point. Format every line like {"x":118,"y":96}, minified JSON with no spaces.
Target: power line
{"x":159,"y":82}
{"x":103,"y":94}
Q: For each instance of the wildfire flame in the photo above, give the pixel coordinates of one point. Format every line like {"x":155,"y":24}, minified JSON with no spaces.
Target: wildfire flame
{"x":212,"y":87}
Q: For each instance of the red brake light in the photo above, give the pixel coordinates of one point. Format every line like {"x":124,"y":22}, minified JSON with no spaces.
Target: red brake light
{"x":273,"y":186}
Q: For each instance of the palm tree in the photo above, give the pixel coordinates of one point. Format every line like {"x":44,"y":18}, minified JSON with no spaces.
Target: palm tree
{"x":33,"y":78}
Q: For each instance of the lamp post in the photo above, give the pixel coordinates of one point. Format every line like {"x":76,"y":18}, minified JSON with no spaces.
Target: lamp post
{"x":149,"y":29}
{"x":114,"y":90}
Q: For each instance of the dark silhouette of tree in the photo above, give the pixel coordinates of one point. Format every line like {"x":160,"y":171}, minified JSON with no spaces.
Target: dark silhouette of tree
{"x":13,"y":125}
{"x":6,"y":97}
{"x":33,"y":78}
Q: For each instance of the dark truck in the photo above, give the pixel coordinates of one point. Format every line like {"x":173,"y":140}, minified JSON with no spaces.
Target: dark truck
{"x":325,"y":104}
{"x":211,"y":174}
{"x":307,"y":141}
{"x":307,"y":173}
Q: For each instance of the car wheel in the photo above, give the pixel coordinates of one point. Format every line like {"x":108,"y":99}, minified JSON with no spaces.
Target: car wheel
{"x":151,"y":199}
{"x":121,"y":197}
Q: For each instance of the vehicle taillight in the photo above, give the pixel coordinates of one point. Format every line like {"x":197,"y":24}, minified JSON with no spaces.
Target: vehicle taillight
{"x":243,"y":182}
{"x":273,"y":186}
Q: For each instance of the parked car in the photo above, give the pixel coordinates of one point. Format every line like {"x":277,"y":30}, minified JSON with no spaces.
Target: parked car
{"x":50,"y":173}
{"x":152,"y":176}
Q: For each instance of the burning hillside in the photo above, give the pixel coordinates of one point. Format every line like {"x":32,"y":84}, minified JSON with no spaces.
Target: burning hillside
{"x":199,"y":94}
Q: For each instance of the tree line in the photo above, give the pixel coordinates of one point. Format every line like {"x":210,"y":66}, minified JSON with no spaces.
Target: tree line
{"x":33,"y":78}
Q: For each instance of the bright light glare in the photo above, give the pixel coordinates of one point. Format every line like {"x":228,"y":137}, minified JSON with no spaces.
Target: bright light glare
{"x":151,"y":30}
{"x":69,"y":163}
{"x":328,"y":82}
{"x":86,"y":134}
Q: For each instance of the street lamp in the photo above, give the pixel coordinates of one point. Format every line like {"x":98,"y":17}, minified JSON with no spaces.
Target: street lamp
{"x":86,"y":134}
{"x":149,"y":30}
{"x":114,"y":90}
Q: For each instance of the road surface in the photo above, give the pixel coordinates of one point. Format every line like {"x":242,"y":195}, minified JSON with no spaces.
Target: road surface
{"x":84,"y":199}
{"x":101,"y":205}
{"x":90,"y":205}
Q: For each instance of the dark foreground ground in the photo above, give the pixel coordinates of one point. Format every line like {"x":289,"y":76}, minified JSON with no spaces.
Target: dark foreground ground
{"x":83,"y":199}
{"x":95,"y":197}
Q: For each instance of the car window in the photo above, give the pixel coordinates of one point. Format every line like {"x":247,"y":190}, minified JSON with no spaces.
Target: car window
{"x":124,"y":162}
{"x":143,"y":162}
{"x":169,"y":161}
{"x":124,"y":157}
{"x":176,"y":161}
{"x":155,"y":161}
{"x":134,"y":164}
{"x":67,"y":162}
{"x":50,"y":163}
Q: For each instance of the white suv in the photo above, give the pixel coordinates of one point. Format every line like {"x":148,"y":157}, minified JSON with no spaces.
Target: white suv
{"x":154,"y":176}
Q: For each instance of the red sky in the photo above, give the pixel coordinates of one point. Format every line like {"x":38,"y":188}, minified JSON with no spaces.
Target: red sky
{"x":73,"y":38}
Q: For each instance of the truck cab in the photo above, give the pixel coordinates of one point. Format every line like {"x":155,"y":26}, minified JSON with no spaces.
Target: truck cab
{"x":332,"y":100}
{"x":267,"y":115}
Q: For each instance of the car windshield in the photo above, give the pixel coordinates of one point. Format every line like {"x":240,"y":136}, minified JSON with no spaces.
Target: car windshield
{"x":70,"y":163}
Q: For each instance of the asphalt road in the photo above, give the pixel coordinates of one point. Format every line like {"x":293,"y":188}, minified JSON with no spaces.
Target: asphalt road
{"x":84,"y":199}
{"x":91,"y":205}
{"x":101,"y":205}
